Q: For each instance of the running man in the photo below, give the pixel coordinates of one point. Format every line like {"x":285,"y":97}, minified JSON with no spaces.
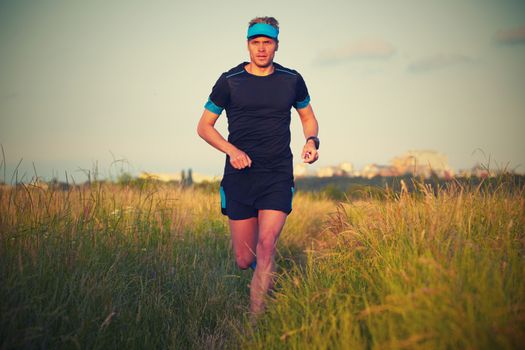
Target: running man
{"x":258,"y":184}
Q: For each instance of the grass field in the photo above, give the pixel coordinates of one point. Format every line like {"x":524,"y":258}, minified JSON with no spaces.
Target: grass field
{"x":150,"y":267}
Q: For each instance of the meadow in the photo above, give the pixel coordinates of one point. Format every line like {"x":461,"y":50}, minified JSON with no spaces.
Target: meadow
{"x":149,"y":266}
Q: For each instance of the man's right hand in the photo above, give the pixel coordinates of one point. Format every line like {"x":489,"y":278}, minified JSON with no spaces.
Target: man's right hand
{"x":239,"y":160}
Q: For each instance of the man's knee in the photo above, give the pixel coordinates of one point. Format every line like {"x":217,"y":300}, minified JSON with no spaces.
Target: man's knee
{"x":243,"y":261}
{"x":266,"y":245}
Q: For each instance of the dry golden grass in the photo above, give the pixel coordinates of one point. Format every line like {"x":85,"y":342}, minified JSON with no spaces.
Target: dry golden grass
{"x":150,"y":266}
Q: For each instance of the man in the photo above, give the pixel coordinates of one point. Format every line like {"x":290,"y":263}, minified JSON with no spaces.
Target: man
{"x":257,"y":187}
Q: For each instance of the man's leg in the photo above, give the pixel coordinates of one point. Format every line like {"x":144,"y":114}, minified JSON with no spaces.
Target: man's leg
{"x":244,"y":240}
{"x":271,"y":223}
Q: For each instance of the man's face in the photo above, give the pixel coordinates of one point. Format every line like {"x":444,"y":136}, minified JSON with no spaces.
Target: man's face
{"x":262,"y":50}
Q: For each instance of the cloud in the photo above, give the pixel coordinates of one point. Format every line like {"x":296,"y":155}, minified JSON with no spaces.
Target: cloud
{"x":436,"y":62}
{"x":514,"y":36}
{"x":365,"y":49}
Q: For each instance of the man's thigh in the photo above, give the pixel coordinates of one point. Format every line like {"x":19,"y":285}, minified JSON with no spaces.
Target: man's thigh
{"x":271,"y":223}
{"x":244,"y":235}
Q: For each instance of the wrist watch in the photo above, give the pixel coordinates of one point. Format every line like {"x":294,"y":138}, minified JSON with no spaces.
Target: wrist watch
{"x":315,"y":139}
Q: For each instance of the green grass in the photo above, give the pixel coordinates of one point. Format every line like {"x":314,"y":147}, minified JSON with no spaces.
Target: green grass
{"x":150,"y":266}
{"x":105,"y":268}
{"x":414,"y":271}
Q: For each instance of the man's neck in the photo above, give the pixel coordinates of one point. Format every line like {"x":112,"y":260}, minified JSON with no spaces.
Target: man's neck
{"x":261,"y":71}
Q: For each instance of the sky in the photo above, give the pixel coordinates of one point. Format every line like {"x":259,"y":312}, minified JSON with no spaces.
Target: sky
{"x":120,"y":85}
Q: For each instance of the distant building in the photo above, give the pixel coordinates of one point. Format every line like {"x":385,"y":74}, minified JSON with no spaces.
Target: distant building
{"x":372,"y":170}
{"x":422,"y":163}
{"x":347,"y":168}
{"x":343,"y":169}
{"x":40,"y":183}
{"x":417,"y":162}
{"x":167,"y":177}
{"x":477,"y":170}
{"x":326,"y":172}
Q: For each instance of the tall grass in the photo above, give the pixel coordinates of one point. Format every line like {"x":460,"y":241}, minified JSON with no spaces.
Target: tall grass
{"x":150,"y":266}
{"x":434,"y":269}
{"x":105,"y":266}
{"x":136,"y":267}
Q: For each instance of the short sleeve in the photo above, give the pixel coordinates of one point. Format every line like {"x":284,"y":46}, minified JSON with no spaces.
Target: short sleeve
{"x":302,"y":98}
{"x":219,"y":97}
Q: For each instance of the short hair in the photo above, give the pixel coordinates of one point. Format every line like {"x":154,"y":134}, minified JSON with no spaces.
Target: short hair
{"x":268,"y":20}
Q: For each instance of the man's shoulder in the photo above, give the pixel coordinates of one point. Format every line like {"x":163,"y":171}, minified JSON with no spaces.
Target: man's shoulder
{"x":238,"y":69}
{"x":285,"y":70}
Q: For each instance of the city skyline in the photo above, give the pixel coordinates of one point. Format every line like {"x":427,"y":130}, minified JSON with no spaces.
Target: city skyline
{"x":420,"y":163}
{"x":120,"y":167}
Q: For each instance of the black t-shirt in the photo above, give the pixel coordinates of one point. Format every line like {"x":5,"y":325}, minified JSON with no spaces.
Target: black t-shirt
{"x":258,"y":112}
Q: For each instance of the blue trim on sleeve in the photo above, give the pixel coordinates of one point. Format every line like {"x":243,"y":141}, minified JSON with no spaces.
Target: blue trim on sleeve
{"x":302,"y":104}
{"x":231,"y":75}
{"x":291,"y":201}
{"x":212,"y":107}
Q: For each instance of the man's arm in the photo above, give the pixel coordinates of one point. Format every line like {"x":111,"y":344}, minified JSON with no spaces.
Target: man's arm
{"x":310,"y":128}
{"x":206,"y":130}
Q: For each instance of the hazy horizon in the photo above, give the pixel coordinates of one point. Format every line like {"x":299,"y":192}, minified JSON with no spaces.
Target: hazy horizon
{"x":117,"y":167}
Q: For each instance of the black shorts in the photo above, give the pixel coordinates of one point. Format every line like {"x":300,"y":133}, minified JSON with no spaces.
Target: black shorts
{"x":244,"y":194}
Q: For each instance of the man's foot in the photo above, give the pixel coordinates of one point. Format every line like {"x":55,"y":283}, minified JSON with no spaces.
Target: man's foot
{"x":253,"y":319}
{"x":256,"y":309}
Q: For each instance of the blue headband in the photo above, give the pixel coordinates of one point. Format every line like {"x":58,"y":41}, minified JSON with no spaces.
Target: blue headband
{"x":264,"y":30}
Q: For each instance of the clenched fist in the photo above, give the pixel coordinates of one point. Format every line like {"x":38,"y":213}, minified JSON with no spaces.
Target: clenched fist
{"x":310,"y":153}
{"x":239,"y":160}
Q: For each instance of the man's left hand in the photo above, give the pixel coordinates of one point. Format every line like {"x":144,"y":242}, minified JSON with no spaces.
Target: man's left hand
{"x":310,"y":153}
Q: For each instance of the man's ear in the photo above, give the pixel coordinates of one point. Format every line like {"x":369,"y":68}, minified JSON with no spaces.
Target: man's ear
{"x":276,"y":45}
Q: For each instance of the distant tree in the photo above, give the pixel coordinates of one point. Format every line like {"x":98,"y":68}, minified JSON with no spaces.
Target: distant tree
{"x":183,"y":178}
{"x":55,"y":184}
{"x":124,"y":179}
{"x":189,"y":181}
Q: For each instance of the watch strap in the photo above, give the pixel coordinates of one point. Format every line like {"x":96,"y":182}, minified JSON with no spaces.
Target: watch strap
{"x":315,"y":139}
